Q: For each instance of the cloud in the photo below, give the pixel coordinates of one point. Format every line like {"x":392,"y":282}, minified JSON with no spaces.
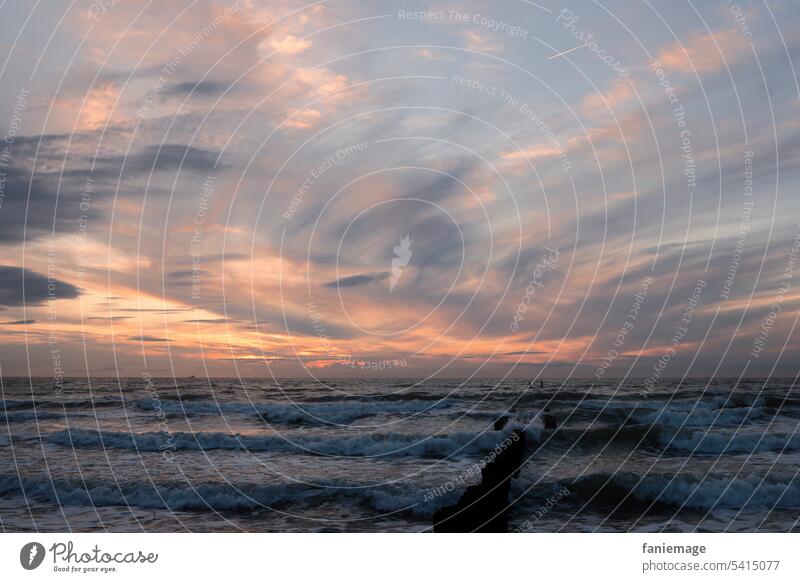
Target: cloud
{"x":705,"y":53}
{"x":531,"y":153}
{"x":290,"y":45}
{"x":358,"y":280}
{"x":163,"y":158}
{"x":431,"y":56}
{"x":619,"y":93}
{"x":51,"y":199}
{"x":196,"y":88}
{"x":480,"y":42}
{"x":29,"y":207}
{"x":149,"y":239}
{"x":164,"y":311}
{"x":25,"y":287}
{"x":302,"y":118}
{"x":97,"y":110}
{"x":19,"y":322}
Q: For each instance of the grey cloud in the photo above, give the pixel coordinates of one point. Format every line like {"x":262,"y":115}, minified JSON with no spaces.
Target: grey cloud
{"x":185,"y":273}
{"x":25,"y":287}
{"x":38,"y":205}
{"x":198,"y":88}
{"x":358,"y":280}
{"x":161,"y":158}
{"x":48,"y":199}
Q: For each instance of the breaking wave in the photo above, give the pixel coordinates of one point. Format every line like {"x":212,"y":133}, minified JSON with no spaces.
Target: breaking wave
{"x":364,"y":445}
{"x":700,"y":416}
{"x":217,"y":496}
{"x":324,"y":412}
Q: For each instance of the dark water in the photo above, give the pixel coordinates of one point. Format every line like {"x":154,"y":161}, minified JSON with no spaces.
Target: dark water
{"x":360,"y":455}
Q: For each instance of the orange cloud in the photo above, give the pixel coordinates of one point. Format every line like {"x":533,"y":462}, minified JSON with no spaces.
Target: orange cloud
{"x":610,"y":141}
{"x":519,"y":160}
{"x":425,"y":54}
{"x":530,"y":153}
{"x":619,"y":93}
{"x":290,"y":45}
{"x":91,"y":114}
{"x":323,"y":81}
{"x":480,"y":42}
{"x":302,"y":119}
{"x":705,"y":52}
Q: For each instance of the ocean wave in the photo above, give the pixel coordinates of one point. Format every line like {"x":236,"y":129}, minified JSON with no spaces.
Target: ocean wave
{"x":324,"y":412}
{"x":684,"y":405}
{"x":218,"y":496}
{"x":365,"y":445}
{"x":602,"y":436}
{"x":13,"y":404}
{"x":701,"y":416}
{"x":710,"y":443}
{"x":58,"y":403}
{"x":557,"y":396}
{"x":673,"y":438}
{"x":88,"y":403}
{"x":374,"y":397}
{"x":783,"y":404}
{"x":617,"y":404}
{"x":27,"y":416}
{"x":688,"y":491}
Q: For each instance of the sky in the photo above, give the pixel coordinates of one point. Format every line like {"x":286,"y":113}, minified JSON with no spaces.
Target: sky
{"x":362,"y":189}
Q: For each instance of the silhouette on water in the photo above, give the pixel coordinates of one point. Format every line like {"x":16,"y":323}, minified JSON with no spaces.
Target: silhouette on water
{"x":548,"y":419}
{"x":484,"y":507}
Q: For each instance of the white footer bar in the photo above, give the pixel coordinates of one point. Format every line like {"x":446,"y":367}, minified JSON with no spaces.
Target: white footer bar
{"x":388,"y":557}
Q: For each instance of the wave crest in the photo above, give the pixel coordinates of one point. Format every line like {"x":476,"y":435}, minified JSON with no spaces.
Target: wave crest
{"x":319,"y":412}
{"x":365,"y":445}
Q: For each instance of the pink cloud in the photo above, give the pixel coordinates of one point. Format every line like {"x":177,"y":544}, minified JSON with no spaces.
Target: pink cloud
{"x":290,"y":45}
{"x":619,"y":93}
{"x":302,"y":119}
{"x":705,"y":52}
{"x":481,"y":42}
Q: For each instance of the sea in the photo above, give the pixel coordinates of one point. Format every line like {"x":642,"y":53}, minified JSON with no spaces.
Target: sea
{"x":377,"y":455}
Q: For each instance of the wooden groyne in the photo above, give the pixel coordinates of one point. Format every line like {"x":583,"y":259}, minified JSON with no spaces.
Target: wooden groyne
{"x":484,"y":507}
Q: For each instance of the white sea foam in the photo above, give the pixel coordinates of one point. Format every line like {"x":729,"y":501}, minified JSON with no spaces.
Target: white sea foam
{"x":218,"y":496}
{"x":365,"y":445}
{"x":330,"y":412}
{"x":668,"y":406}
